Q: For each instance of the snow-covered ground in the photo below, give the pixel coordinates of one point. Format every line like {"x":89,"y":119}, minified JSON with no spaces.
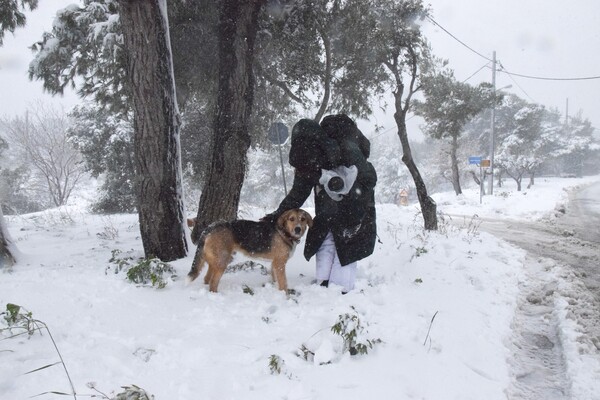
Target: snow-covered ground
{"x":438,"y":309}
{"x":507,"y":202}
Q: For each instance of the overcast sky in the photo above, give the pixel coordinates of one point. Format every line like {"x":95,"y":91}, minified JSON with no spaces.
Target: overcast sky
{"x":544,"y":38}
{"x":16,"y":91}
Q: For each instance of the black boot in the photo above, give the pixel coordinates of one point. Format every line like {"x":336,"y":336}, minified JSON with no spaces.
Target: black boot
{"x":325,"y":283}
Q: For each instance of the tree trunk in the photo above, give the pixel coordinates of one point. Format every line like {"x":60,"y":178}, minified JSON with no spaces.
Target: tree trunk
{"x":499,"y":175}
{"x":156,"y":128}
{"x":428,"y":205}
{"x":454,"y":162}
{"x":7,"y":258}
{"x":531,"y":179}
{"x":327,"y":77}
{"x":517,"y":177}
{"x":475,"y":178}
{"x":238,"y":24}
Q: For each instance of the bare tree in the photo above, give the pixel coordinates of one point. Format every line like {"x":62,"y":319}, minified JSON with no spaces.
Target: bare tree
{"x":40,"y":140}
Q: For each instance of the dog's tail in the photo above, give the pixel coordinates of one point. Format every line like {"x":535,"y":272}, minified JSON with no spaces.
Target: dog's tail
{"x":198,"y":262}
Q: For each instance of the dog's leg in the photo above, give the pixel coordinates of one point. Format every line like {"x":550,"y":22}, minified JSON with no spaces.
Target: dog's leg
{"x":208,"y":275}
{"x":197,"y":264}
{"x":217,"y":260}
{"x":211,"y":270}
{"x":273,"y":273}
{"x":217,"y":273}
{"x":278,"y":271}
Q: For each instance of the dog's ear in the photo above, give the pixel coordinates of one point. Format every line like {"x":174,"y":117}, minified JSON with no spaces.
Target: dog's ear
{"x":283,"y":217}
{"x":309,"y":220}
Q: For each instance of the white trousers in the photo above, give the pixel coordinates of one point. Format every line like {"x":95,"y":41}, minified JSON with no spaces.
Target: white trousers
{"x":329,"y":267}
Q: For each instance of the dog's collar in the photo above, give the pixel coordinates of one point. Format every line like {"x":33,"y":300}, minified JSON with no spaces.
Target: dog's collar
{"x":287,"y":237}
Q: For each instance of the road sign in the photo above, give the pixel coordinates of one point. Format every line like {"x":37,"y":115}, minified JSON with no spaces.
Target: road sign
{"x":278,"y":133}
{"x":474,"y":160}
{"x":481,"y":164}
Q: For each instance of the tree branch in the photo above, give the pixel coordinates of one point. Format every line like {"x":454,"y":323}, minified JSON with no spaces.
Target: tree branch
{"x":261,"y":71}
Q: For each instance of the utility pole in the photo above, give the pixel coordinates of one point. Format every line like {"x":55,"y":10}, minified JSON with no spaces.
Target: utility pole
{"x":492,"y":126}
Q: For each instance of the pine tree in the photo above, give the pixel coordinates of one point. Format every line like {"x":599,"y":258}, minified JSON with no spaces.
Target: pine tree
{"x":11,"y":15}
{"x":156,"y":128}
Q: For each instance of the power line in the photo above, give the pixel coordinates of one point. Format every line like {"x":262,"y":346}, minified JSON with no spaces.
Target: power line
{"x":522,"y":90}
{"x":516,"y":83}
{"x":476,"y":72}
{"x":545,"y":78}
{"x":457,"y":39}
{"x":511,"y":75}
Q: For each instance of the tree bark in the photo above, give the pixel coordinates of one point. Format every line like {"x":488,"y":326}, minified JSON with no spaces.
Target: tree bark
{"x":238,"y":24}
{"x":454,"y":163}
{"x":156,"y":128}
{"x":7,"y":258}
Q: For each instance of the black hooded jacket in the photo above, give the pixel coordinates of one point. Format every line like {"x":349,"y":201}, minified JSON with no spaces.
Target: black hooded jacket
{"x":337,"y":141}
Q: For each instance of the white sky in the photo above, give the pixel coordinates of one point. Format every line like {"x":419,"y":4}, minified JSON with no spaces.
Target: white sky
{"x":548,"y":38}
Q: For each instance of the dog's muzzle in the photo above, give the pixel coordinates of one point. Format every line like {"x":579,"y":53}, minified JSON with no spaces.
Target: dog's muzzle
{"x":297,"y":230}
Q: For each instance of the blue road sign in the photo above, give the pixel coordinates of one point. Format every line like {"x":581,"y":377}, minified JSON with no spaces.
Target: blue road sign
{"x":474,"y":160}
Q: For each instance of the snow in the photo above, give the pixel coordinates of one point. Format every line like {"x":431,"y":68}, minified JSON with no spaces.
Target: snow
{"x":441,"y":304}
{"x":528,"y":204}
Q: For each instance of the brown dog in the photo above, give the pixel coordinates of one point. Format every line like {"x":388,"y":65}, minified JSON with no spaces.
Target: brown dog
{"x":260,"y":239}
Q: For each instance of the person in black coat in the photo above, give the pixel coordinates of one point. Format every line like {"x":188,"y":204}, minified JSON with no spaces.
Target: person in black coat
{"x":344,"y":228}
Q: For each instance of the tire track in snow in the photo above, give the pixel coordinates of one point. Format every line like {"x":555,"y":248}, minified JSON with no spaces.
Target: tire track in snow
{"x":538,"y":363}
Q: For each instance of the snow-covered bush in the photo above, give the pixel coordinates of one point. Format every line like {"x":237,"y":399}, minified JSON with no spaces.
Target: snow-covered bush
{"x":350,"y":328}
{"x":146,"y":271}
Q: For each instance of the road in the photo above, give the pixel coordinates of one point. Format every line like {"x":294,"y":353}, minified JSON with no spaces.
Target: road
{"x":570,"y":240}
